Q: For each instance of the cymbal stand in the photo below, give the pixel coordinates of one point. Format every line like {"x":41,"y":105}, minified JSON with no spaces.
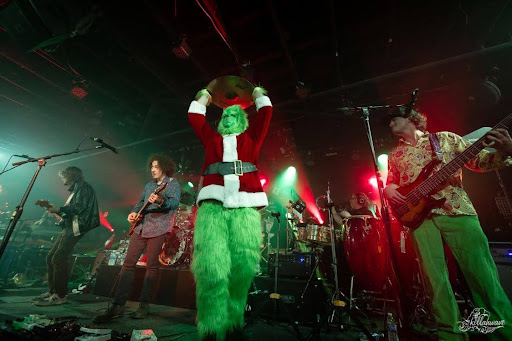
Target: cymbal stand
{"x":275,"y":296}
{"x":336,"y":304}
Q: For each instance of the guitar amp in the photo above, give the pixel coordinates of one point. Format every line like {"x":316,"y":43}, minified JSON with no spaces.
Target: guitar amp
{"x":293,"y":265}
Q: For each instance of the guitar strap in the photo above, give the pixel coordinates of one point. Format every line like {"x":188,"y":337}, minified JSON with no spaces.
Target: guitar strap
{"x":436,"y":146}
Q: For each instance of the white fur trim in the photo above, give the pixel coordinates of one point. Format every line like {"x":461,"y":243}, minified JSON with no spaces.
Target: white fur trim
{"x":229,"y":152}
{"x":261,"y":102}
{"x":236,"y":200}
{"x":197,"y":108}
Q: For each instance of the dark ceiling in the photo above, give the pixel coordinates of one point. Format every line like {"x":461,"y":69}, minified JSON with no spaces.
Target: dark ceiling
{"x":313,"y":57}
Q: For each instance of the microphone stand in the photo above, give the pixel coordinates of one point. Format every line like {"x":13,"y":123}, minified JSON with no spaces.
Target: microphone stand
{"x":399,"y":295}
{"x":16,"y":214}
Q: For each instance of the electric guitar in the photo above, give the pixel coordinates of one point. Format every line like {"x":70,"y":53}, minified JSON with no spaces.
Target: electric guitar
{"x":46,"y":204}
{"x":139,"y":216}
{"x":419,"y":201}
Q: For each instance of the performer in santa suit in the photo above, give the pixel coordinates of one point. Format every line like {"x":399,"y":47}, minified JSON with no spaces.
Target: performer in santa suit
{"x":227,"y":233}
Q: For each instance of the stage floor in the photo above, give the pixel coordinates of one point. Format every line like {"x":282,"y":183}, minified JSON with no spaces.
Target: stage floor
{"x":166,"y":322}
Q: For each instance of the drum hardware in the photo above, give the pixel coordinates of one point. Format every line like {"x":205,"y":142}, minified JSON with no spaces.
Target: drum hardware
{"x":275,"y":296}
{"x":335,"y":303}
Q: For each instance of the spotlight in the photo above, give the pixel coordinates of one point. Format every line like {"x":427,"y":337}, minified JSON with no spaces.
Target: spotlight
{"x":191,"y":185}
{"x":290,"y":174}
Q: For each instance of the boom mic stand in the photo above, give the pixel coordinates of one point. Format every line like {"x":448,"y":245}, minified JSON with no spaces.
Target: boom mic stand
{"x":16,"y":215}
{"x":398,"y":293}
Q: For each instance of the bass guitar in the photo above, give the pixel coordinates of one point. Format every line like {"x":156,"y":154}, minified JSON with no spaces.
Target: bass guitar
{"x":139,"y":216}
{"x":419,"y":201}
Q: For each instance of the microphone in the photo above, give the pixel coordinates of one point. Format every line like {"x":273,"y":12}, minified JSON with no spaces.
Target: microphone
{"x":275,"y":214}
{"x":103,"y":144}
{"x":23,"y":156}
{"x":349,"y":111}
{"x":414,"y":97}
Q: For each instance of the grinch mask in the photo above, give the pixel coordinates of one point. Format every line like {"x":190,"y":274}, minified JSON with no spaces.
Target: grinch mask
{"x":234,"y":121}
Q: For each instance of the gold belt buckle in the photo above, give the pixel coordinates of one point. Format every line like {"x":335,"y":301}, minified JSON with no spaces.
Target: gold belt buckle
{"x":238,"y":167}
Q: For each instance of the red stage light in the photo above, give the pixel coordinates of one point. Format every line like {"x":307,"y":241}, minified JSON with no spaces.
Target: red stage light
{"x":373,"y":181}
{"x":79,"y":92}
{"x":263,"y":182}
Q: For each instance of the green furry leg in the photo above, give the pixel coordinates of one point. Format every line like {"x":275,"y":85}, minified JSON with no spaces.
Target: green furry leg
{"x":211,"y":267}
{"x":244,"y":245}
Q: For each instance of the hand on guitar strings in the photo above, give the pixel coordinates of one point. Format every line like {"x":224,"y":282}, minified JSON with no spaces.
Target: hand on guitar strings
{"x":132,"y":217}
{"x":394,"y":196}
{"x":53,"y":209}
{"x":500,"y":140}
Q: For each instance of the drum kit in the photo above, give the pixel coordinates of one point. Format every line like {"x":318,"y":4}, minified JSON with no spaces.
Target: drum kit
{"x":179,"y":245}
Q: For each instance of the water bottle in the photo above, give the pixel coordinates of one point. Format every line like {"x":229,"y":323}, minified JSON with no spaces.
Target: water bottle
{"x":392,"y":328}
{"x":112,"y":258}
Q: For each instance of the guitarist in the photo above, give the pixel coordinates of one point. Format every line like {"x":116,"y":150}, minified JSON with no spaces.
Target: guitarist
{"x":79,"y":215}
{"x":149,"y":234}
{"x":456,"y":222}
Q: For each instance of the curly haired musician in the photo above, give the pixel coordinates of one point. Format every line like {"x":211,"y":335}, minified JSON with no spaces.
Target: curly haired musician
{"x":359,"y":204}
{"x":456,"y":222}
{"x":228,"y":226}
{"x":79,"y":215}
{"x":149,"y":234}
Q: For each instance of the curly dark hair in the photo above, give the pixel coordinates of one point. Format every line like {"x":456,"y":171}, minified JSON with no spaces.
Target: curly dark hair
{"x":167,"y":165}
{"x":418,"y":119}
{"x":72,"y":174}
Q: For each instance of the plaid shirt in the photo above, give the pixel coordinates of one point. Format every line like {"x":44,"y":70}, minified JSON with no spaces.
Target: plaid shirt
{"x":407,"y":161}
{"x":158,"y":219}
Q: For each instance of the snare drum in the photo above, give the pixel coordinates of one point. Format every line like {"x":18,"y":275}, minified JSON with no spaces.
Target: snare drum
{"x":319,"y":234}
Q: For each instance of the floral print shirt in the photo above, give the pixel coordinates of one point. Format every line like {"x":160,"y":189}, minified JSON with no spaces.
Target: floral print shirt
{"x":407,"y":161}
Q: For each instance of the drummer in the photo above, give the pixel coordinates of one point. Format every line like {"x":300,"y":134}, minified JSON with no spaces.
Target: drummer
{"x":359,"y":204}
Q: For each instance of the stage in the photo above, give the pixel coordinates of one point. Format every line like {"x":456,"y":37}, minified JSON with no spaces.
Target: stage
{"x":168,"y":323}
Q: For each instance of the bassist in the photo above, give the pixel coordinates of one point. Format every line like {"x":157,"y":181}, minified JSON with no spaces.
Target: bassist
{"x":149,"y":234}
{"x":455,"y":220}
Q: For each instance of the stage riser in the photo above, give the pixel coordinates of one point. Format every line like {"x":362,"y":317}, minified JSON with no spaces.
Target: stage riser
{"x":174,"y":287}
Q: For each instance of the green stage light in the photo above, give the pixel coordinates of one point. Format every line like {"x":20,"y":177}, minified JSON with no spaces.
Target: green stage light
{"x":191,"y":185}
{"x":383,"y":160}
{"x":290,"y":174}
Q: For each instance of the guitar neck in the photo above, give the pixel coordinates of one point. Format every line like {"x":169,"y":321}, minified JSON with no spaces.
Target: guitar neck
{"x":429,"y":185}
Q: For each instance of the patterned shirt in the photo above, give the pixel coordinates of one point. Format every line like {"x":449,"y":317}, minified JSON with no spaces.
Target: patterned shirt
{"x":407,"y":161}
{"x":158,"y":219}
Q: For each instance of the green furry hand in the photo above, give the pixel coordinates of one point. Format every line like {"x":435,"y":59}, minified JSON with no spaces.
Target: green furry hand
{"x":203,"y":97}
{"x":258,"y":92}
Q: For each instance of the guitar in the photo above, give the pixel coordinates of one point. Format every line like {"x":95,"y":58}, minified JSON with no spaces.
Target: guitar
{"x":419,"y":200}
{"x":46,"y":204}
{"x":139,"y":216}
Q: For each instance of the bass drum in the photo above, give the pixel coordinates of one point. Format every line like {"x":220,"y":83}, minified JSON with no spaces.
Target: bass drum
{"x":178,"y":246}
{"x":365,"y":252}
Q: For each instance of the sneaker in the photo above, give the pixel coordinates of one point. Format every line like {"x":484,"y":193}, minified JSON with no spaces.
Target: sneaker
{"x":54,"y":299}
{"x":142,"y":311}
{"x":41,"y":297}
{"x":114,"y":311}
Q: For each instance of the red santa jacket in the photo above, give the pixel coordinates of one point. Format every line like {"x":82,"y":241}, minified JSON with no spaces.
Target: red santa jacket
{"x":232,"y":190}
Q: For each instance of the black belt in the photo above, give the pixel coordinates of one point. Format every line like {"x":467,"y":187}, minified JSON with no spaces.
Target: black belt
{"x":234,"y":167}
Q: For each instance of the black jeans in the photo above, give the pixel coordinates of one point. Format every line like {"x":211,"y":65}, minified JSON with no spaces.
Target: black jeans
{"x":57,"y":263}
{"x":137,"y":244}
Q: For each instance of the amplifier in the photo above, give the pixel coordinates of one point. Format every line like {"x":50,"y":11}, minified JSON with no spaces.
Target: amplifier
{"x":501,"y":252}
{"x":293,"y":265}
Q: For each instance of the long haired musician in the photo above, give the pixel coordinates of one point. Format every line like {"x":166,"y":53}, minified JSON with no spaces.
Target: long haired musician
{"x":453,"y":220}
